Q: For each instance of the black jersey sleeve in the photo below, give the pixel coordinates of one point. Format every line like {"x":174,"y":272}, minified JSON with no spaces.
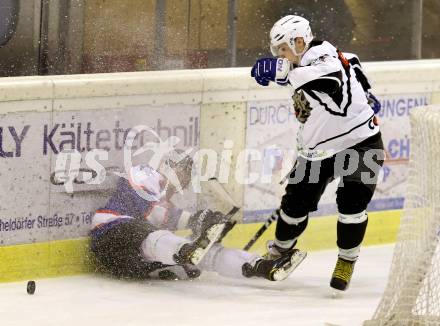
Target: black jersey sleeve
{"x":357,"y":67}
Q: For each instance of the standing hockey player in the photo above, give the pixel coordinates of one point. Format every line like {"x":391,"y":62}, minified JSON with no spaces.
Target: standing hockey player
{"x":132,"y":238}
{"x":338,"y":137}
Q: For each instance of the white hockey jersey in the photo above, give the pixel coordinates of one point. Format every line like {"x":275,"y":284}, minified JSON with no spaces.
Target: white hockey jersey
{"x":330,"y":102}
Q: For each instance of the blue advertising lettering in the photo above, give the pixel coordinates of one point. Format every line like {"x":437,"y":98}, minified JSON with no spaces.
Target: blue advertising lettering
{"x":12,"y":134}
{"x":271,"y":115}
{"x":84,"y":137}
{"x":399,"y":148}
{"x":398,"y":107}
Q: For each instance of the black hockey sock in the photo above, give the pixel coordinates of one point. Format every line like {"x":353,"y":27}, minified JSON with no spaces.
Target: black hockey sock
{"x":351,"y":235}
{"x":285,"y":231}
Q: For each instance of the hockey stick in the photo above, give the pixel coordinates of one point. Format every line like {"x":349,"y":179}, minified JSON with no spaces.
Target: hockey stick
{"x":288,"y":174}
{"x":259,"y":233}
{"x":272,"y":218}
{"x":218,"y":188}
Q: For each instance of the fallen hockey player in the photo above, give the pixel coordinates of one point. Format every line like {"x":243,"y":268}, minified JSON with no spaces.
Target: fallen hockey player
{"x":132,"y":234}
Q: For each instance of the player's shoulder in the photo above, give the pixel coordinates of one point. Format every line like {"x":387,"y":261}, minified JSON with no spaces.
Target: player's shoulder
{"x":353,"y":59}
{"x":318,"y":50}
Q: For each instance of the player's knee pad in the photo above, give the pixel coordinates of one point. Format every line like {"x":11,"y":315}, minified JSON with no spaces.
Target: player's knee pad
{"x":162,"y":246}
{"x":353,"y":197}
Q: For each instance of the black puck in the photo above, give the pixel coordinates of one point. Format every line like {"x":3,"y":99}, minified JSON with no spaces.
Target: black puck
{"x":30,"y":287}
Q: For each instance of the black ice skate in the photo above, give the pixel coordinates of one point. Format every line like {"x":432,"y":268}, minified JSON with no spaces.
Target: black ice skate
{"x":342,"y":274}
{"x":275,"y":268}
{"x":193,"y":252}
{"x":174,"y":272}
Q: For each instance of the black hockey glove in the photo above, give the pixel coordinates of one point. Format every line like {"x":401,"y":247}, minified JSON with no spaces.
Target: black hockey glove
{"x":203,"y":219}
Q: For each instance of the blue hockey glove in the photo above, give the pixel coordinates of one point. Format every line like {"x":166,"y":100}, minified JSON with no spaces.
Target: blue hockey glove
{"x":271,"y":69}
{"x":373,"y":102}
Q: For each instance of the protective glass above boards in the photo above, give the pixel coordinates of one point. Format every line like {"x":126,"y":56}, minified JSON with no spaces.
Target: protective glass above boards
{"x":8,"y":20}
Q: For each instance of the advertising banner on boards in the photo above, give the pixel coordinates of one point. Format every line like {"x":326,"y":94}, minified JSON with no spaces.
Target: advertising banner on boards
{"x":271,"y":131}
{"x":37,"y":205}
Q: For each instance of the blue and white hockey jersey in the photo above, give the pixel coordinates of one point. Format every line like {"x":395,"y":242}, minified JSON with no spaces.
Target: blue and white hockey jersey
{"x":142,"y":196}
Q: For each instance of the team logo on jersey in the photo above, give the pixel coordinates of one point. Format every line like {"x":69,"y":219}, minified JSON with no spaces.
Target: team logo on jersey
{"x":280,"y":63}
{"x":302,"y":106}
{"x":319,"y":60}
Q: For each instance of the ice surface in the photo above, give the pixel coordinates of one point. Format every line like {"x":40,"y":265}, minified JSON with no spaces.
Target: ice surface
{"x":303,"y":299}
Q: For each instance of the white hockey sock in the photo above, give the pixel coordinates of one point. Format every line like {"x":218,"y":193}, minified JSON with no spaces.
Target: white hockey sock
{"x":227,"y":262}
{"x":350,"y":254}
{"x":351,"y":230}
{"x":161,"y":246}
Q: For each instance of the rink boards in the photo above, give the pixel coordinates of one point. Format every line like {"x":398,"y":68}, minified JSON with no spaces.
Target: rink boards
{"x":70,"y":257}
{"x":43,"y":223}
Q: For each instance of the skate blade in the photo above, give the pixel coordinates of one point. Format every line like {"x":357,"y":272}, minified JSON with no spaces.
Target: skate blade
{"x":212,"y":235}
{"x":295,"y":260}
{"x":337,"y":294}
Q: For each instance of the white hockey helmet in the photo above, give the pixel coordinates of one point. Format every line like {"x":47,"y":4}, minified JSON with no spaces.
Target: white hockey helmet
{"x":286,"y":30}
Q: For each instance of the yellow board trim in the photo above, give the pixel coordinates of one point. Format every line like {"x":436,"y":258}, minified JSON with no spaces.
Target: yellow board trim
{"x":45,"y":259}
{"x":70,"y":257}
{"x":321,"y":232}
